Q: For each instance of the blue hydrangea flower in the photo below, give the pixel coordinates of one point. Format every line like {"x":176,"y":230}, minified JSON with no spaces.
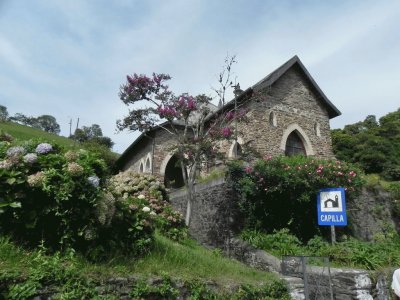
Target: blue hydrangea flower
{"x":44,"y":148}
{"x":18,"y":150}
{"x":30,"y":158}
{"x":94,"y":180}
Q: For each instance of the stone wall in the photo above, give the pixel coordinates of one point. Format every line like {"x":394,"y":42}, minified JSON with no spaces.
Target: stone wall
{"x":215,"y":223}
{"x":295,"y":107}
{"x":371,"y":214}
{"x":214,"y":217}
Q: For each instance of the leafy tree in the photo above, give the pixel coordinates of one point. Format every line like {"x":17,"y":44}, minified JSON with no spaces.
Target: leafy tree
{"x":48,"y":123}
{"x":92,"y":134}
{"x":3,"y":113}
{"x":372,"y":144}
{"x":20,"y":118}
{"x":189,"y":121}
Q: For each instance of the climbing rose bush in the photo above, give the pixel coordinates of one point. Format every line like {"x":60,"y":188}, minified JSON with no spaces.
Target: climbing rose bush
{"x":281,"y":192}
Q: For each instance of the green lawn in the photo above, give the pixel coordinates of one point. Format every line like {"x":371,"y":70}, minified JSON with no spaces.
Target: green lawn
{"x":22,"y":132}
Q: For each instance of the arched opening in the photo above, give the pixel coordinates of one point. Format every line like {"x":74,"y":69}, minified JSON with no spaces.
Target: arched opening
{"x":173,"y":177}
{"x":236,"y":150}
{"x":294,"y":145}
{"x":148,"y":165}
{"x":141,"y":169}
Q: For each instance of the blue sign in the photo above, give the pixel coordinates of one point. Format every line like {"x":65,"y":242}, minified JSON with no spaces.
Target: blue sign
{"x":331,"y":204}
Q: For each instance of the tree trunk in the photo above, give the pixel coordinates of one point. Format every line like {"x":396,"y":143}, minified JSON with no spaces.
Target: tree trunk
{"x":189,"y":183}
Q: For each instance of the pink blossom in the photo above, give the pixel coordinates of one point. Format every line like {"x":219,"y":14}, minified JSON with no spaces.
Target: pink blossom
{"x":248,"y":169}
{"x":226,"y":132}
{"x":230,"y":115}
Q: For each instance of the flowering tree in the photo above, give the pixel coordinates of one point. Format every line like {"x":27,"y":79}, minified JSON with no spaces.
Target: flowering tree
{"x":190,"y":121}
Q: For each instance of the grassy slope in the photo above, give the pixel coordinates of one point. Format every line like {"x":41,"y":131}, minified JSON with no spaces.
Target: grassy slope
{"x":22,"y":132}
{"x":186,"y":262}
{"x":189,"y":261}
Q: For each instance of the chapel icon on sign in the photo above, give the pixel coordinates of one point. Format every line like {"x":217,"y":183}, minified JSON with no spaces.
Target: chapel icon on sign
{"x":332,"y":203}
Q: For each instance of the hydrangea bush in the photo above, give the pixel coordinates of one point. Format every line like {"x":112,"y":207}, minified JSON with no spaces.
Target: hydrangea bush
{"x":146,"y":193}
{"x":281,"y":192}
{"x":65,"y":200}
{"x":43,"y":197}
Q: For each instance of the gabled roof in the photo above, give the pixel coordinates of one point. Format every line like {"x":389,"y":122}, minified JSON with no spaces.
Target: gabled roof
{"x":275,"y":75}
{"x":271,"y":78}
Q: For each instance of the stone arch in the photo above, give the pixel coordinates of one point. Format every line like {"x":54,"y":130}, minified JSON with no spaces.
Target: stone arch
{"x":141,"y":166}
{"x":236,"y":148}
{"x":172,"y":172}
{"x":147,"y":166}
{"x":301,"y":134}
{"x":272,"y":119}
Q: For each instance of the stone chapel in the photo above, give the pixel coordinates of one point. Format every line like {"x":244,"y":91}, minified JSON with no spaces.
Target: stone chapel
{"x":288,"y":114}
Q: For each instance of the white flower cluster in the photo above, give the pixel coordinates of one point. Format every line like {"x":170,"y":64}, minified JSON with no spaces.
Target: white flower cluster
{"x":6,"y":164}
{"x":44,"y":148}
{"x":30,"y":158}
{"x":74,"y":169}
{"x":94,"y":180}
{"x":36,"y":180}
{"x":71,"y":156}
{"x":129,"y":183}
{"x":13,"y":151}
{"x":105,"y":209}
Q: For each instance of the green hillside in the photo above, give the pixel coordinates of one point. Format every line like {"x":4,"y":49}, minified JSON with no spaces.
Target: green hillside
{"x":22,"y":132}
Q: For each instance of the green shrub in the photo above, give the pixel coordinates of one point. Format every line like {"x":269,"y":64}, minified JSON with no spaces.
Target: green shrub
{"x":281,"y":192}
{"x":60,"y":197}
{"x":129,"y":184}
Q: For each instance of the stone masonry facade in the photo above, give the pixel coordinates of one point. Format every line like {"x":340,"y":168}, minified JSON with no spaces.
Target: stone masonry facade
{"x":291,"y":103}
{"x":274,"y":112}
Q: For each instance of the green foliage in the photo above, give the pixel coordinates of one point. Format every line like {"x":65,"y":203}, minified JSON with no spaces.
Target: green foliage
{"x":128,"y":184}
{"x":60,"y":197}
{"x":42,"y":271}
{"x":23,"y":274}
{"x":349,"y":252}
{"x":163,"y":290}
{"x":374,"y":145}
{"x":291,"y":183}
{"x":280,"y":242}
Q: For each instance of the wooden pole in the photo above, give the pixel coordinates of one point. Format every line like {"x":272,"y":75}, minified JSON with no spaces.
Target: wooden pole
{"x":333,"y":234}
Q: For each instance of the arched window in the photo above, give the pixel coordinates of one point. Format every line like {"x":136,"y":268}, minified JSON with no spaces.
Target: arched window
{"x":294,"y":145}
{"x":141,"y":167}
{"x":148,"y":165}
{"x":272,"y":119}
{"x":237,"y":150}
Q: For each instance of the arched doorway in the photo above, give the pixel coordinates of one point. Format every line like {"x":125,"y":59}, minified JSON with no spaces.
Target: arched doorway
{"x":294,"y":145}
{"x":173,"y":177}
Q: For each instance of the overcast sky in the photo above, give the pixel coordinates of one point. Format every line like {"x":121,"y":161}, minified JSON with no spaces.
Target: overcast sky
{"x":68,"y":58}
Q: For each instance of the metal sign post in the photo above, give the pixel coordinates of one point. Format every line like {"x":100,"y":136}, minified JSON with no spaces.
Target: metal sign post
{"x":331,"y":206}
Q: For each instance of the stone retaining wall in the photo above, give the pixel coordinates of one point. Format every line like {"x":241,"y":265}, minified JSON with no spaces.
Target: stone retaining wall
{"x":215,"y":221}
